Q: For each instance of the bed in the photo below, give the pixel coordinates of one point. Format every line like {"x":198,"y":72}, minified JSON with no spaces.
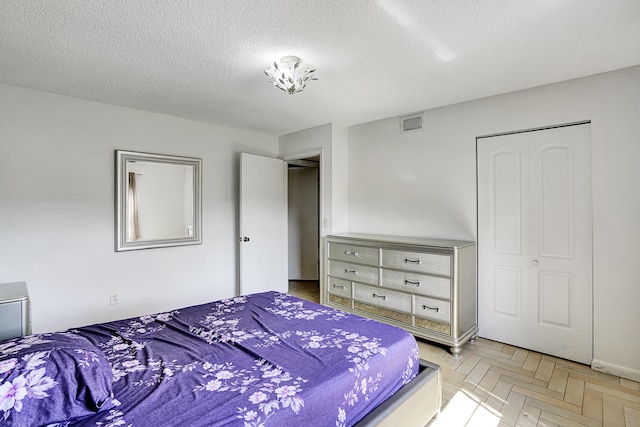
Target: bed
{"x":261,"y":359}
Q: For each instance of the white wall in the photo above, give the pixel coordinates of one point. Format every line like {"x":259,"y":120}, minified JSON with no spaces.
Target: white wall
{"x":332,"y":140}
{"x":340,"y":179}
{"x":57,"y":208}
{"x":424,"y":184}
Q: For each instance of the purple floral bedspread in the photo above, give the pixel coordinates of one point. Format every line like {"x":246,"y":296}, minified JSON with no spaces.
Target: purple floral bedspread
{"x":264,"y":359}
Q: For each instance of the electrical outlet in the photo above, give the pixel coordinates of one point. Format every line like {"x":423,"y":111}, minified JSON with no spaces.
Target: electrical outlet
{"x":114,"y":299}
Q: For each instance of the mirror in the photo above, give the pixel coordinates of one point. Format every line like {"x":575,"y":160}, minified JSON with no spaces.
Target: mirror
{"x":157,"y":200}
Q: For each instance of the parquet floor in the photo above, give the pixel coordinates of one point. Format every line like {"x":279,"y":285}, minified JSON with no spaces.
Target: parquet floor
{"x":495,"y":384}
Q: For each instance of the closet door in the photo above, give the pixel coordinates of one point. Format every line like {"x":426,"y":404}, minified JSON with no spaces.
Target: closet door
{"x":534,"y":240}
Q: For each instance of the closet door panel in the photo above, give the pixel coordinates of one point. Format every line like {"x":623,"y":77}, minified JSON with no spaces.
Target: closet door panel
{"x":561,"y":291}
{"x":555,"y":201}
{"x":507,"y":291}
{"x":555,"y":297}
{"x":503,"y":251}
{"x":506,"y":209}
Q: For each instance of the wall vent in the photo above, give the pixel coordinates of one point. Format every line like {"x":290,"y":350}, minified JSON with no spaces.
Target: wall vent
{"x":411,"y":123}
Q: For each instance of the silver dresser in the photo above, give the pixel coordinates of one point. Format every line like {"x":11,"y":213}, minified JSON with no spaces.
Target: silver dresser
{"x":425,"y":286}
{"x":15,"y":318}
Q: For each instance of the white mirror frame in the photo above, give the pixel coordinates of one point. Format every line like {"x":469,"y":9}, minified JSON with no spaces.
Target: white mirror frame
{"x":122,"y":183}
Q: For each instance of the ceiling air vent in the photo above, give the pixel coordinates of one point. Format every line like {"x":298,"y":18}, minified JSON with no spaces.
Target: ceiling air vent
{"x":411,"y":123}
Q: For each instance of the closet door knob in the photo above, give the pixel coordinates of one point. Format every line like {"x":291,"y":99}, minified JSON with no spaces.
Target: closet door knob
{"x":535,"y":262}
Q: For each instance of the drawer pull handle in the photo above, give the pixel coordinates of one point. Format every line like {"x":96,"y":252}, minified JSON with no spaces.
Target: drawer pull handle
{"x":380,"y":296}
{"x":426,"y":307}
{"x":412,"y":282}
{"x":351,"y":253}
{"x":346,"y":270}
{"x":338,"y":286}
{"x":411,"y":261}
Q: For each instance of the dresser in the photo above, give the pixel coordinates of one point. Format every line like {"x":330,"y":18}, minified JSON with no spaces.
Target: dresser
{"x":426,"y":286}
{"x":15,"y":318}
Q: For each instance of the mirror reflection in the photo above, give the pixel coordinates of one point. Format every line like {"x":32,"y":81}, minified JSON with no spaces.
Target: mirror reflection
{"x":158,"y":200}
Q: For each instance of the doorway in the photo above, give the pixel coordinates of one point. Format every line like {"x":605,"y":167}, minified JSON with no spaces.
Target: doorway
{"x":304,"y":233}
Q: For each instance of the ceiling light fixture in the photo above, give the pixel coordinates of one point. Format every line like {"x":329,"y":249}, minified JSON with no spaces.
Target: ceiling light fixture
{"x":289,"y":76}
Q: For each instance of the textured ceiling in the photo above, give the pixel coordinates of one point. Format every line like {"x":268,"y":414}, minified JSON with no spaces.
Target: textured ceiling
{"x":204,"y":59}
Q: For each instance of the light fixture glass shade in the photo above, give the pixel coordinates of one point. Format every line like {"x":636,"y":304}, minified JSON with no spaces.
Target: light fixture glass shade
{"x":289,"y":75}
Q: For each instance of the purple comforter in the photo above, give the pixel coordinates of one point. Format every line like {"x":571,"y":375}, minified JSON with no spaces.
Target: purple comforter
{"x":262,"y":359}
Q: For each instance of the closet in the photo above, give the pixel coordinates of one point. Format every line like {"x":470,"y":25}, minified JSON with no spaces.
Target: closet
{"x":535,"y":240}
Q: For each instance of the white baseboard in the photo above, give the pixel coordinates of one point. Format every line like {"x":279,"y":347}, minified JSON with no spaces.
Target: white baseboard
{"x":620,"y":371}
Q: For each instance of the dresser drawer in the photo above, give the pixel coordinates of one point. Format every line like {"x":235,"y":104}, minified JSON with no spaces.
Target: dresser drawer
{"x":417,"y":283}
{"x":417,"y":261}
{"x":339,"y":286}
{"x":355,"y":272}
{"x":353,"y":253}
{"x":382,"y":297}
{"x":432,"y":309}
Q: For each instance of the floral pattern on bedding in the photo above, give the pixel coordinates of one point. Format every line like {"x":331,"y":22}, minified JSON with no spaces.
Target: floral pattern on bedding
{"x":32,"y":383}
{"x":121,"y":350}
{"x":288,"y":308}
{"x":50,"y":377}
{"x":273,"y":388}
{"x":253,"y":360}
{"x":217,"y":327}
{"x":13,"y":346}
{"x":359,"y":349}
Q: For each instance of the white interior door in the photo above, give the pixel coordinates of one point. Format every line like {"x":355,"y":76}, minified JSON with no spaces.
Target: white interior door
{"x":535,"y":241}
{"x":263,"y":224}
